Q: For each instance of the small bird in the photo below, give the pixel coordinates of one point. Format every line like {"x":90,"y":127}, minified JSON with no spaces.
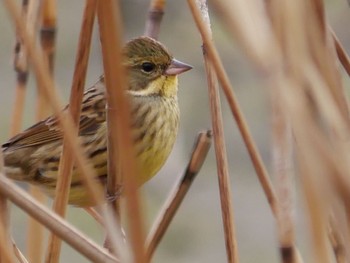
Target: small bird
{"x":33,"y":155}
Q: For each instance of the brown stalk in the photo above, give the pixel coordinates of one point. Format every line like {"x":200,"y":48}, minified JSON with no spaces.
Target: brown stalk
{"x":64,"y":177}
{"x":6,"y":253}
{"x":21,"y":68}
{"x":118,"y":116}
{"x":20,"y":257}
{"x":96,"y":216}
{"x":66,"y":124}
{"x":282,"y":141}
{"x":154,"y":18}
{"x":177,"y":195}
{"x":200,"y":13}
{"x":323,"y":50}
{"x":54,"y":222}
{"x":337,"y":242}
{"x":342,"y":55}
{"x":48,"y":31}
{"x":236,"y":111}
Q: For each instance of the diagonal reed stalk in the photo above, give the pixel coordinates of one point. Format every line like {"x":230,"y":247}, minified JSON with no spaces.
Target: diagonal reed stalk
{"x":218,"y":134}
{"x":177,"y":195}
{"x":64,"y":177}
{"x":118,"y":116}
{"x":54,"y":222}
{"x":20,"y":257}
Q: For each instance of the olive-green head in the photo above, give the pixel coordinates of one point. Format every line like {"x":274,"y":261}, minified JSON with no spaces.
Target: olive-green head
{"x":147,"y":62}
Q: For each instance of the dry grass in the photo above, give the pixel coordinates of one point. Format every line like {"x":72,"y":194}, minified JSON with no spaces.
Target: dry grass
{"x":296,"y":52}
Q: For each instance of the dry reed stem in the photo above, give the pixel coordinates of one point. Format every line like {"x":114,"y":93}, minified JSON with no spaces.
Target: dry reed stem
{"x":201,"y":16}
{"x":154,"y":18}
{"x":54,"y":222}
{"x":237,"y":113}
{"x":118,"y":120}
{"x":64,"y":177}
{"x":342,"y":55}
{"x":337,"y":242}
{"x":322,"y":50}
{"x":20,"y":257}
{"x":178,"y":193}
{"x":282,"y":146}
{"x":115,"y":85}
{"x":48,"y":31}
{"x":21,"y":67}
{"x":96,"y":216}
{"x":44,"y":83}
{"x":6,"y":253}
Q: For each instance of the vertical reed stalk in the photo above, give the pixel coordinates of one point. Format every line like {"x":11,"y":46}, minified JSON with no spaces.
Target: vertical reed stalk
{"x":218,"y":134}
{"x":6,"y":253}
{"x":154,"y":18}
{"x":118,"y":116}
{"x":66,"y":163}
{"x":235,"y":108}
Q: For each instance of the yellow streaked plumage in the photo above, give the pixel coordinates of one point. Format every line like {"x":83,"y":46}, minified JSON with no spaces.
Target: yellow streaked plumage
{"x":34,"y":154}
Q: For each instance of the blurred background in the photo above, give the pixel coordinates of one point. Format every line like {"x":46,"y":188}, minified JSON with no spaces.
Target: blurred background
{"x":196,"y":234}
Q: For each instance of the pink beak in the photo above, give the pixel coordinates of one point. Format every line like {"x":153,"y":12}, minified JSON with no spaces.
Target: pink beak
{"x":176,"y":67}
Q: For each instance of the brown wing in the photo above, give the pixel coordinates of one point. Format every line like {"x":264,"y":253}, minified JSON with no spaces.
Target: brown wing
{"x":47,"y":131}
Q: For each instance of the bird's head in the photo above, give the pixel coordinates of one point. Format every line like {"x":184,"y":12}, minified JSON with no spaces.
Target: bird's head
{"x":152,"y":69}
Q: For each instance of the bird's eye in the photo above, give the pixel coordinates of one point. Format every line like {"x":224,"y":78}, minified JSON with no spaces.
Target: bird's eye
{"x":148,"y":67}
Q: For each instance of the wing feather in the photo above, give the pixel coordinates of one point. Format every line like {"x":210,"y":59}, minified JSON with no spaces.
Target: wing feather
{"x":48,"y":131}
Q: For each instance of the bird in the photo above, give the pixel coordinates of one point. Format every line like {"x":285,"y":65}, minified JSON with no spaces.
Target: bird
{"x":33,"y":155}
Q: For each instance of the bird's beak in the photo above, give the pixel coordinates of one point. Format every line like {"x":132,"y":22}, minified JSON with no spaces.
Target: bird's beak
{"x":176,"y":67}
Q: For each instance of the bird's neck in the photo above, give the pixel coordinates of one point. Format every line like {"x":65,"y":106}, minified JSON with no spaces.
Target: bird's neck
{"x":165,"y":86}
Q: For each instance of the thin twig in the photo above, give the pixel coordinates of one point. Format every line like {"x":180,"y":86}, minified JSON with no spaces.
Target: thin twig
{"x":19,"y":255}
{"x":237,"y":113}
{"x":6,"y":253}
{"x":53,"y":222}
{"x":154,"y":18}
{"x":282,"y":147}
{"x":342,"y":55}
{"x":337,"y":242}
{"x":64,"y":177}
{"x":48,"y":31}
{"x":118,"y":116}
{"x":21,"y":68}
{"x":95,"y":215}
{"x":200,"y":13}
{"x":34,"y":248}
{"x":175,"y":198}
